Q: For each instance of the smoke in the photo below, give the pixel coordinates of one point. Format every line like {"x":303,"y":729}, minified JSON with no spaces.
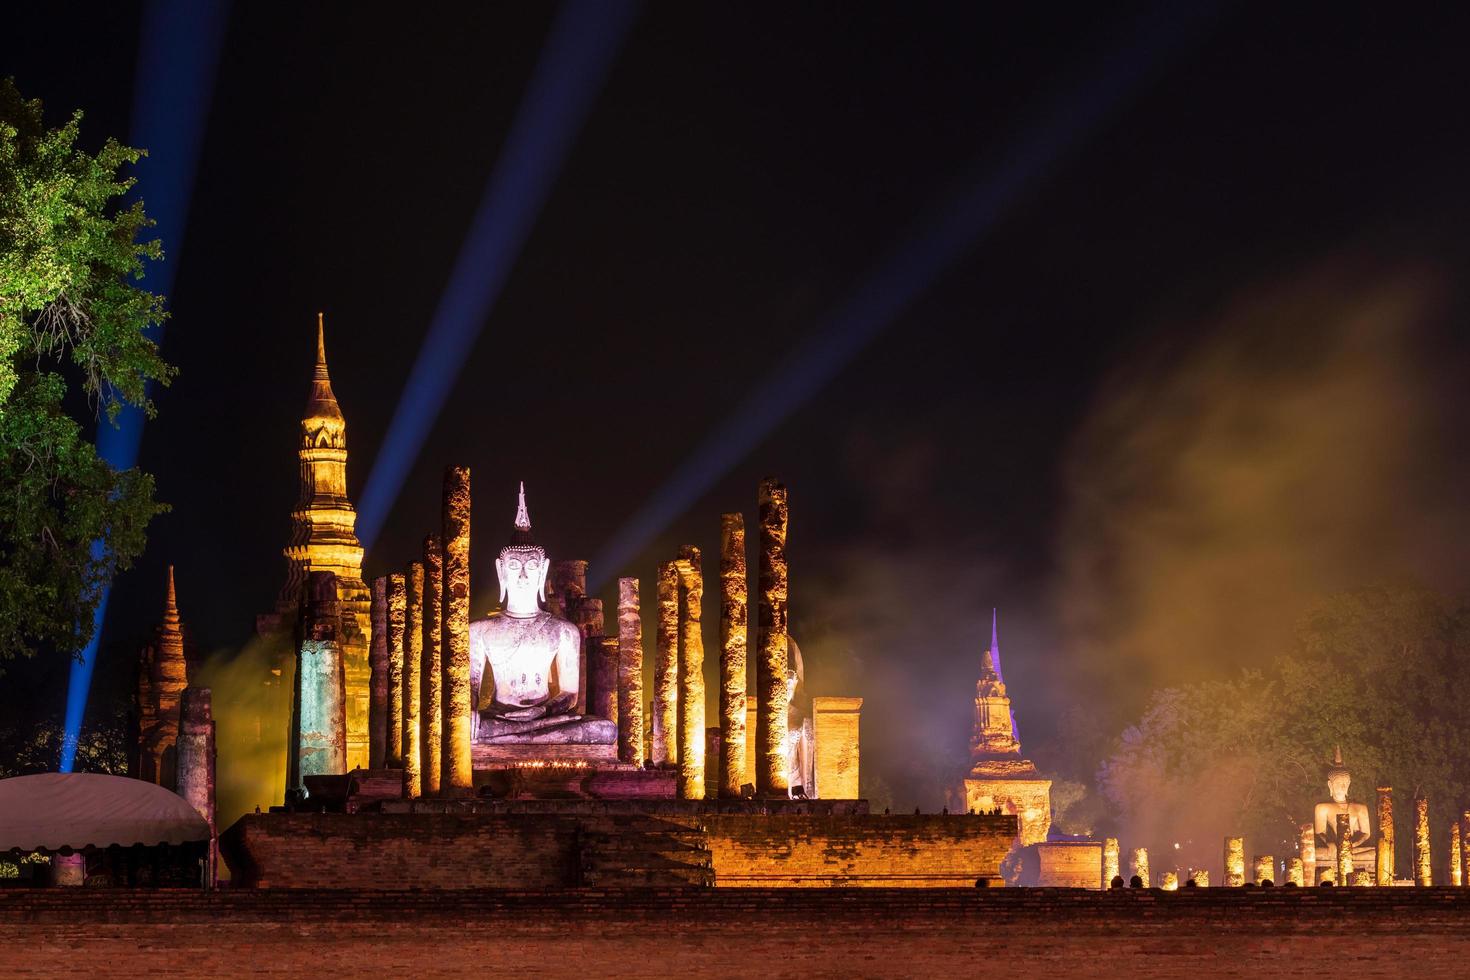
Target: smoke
{"x":251,"y":707}
{"x":1289,"y":448}
{"x":1297,"y":444}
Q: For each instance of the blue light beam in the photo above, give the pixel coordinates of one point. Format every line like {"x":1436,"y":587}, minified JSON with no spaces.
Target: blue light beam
{"x":178,"y":51}
{"x":569,"y":74}
{"x":905,"y":274}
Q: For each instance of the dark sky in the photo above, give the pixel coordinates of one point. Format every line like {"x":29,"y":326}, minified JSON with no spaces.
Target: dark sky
{"x":742,"y":171}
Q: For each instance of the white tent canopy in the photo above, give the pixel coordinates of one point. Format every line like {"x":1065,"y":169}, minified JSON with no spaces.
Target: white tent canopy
{"x":53,"y":810}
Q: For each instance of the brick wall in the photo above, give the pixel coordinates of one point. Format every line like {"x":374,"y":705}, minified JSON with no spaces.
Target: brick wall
{"x":386,"y":850}
{"x":539,"y":850}
{"x":908,"y":851}
{"x":721,"y":932}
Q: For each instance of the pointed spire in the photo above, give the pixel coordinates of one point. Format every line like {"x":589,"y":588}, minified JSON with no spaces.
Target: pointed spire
{"x":170,"y":604}
{"x":994,"y":652}
{"x":321,"y":351}
{"x":523,"y":517}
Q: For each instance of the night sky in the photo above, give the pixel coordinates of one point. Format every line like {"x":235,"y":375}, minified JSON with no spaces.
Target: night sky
{"x":742,"y":172}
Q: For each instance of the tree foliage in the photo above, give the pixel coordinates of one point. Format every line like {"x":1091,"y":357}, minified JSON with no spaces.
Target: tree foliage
{"x":73,"y":331}
{"x":1383,"y":672}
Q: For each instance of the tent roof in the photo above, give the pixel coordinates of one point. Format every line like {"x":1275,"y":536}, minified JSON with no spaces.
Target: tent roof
{"x":53,"y":810}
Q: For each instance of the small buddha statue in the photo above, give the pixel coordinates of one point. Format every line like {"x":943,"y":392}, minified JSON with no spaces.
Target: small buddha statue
{"x":525,"y":662}
{"x":1324,"y":820}
{"x":800,"y":744}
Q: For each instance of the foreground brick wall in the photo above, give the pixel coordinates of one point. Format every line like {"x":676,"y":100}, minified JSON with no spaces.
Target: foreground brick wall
{"x":540,"y":850}
{"x":727,"y":932}
{"x":895,"y":851}
{"x":386,"y":851}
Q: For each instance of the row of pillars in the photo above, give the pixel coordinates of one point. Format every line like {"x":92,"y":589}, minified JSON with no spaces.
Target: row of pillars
{"x":419,"y":683}
{"x":678,"y":729}
{"x":1302,"y":870}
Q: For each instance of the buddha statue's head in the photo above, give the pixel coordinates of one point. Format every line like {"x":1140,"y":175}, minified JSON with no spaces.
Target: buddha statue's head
{"x":522,"y":567}
{"x":1338,"y":778}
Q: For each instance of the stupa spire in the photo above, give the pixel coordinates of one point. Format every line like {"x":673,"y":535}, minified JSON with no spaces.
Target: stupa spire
{"x":321,"y":351}
{"x":171,"y":604}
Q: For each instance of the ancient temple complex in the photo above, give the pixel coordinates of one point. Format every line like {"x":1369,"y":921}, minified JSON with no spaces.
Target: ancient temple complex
{"x":323,"y":539}
{"x":1000,"y":777}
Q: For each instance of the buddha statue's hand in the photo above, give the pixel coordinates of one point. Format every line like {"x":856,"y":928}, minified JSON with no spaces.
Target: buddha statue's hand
{"x":511,"y":712}
{"x":561,"y":704}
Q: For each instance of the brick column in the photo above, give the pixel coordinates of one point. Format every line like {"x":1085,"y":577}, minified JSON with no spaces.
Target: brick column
{"x":691,"y":675}
{"x":457,"y":769}
{"x":1140,"y":864}
{"x":1296,"y":872}
{"x":587,"y":614}
{"x":1423,"y":876}
{"x":1344,"y":850}
{"x":734,"y":632}
{"x":1201,"y":878}
{"x":630,"y":673}
{"x":413,"y":662}
{"x":1234,"y":861}
{"x":602,"y":677}
{"x":196,"y":757}
{"x":1307,"y":847}
{"x":1265,"y":868}
{"x":1384,"y":872}
{"x":1110,"y":865}
{"x":1457,"y":871}
{"x":771,"y":774}
{"x":378,"y":676}
{"x":397,"y":624}
{"x":666,"y":667}
{"x":431,"y":708}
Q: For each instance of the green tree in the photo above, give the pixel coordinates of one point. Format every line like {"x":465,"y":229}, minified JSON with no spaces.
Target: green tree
{"x":73,"y":322}
{"x":1382,"y":672}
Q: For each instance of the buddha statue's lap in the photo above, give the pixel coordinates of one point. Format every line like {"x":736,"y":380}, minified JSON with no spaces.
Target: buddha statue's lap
{"x":525,"y":662}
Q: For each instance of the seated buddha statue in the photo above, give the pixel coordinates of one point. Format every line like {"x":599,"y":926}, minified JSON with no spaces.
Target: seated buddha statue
{"x":1324,"y":821}
{"x":525,"y":662}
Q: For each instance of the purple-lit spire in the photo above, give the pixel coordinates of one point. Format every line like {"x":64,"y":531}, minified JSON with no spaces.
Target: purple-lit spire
{"x":995,"y":644}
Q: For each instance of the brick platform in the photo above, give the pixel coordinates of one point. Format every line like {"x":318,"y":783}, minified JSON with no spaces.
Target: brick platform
{"x":539,"y":844}
{"x":1424,"y":933}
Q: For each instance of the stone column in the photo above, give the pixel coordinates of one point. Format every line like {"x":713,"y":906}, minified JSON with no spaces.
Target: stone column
{"x":1384,"y":872}
{"x":1140,"y":864}
{"x":1344,"y":853}
{"x":457,"y":776}
{"x":1423,"y":876}
{"x":630,"y":673}
{"x":413,"y":682}
{"x":1465,"y":848}
{"x":770,"y":669}
{"x":1169,"y":882}
{"x":196,"y":764}
{"x":587,"y":614}
{"x":321,"y":686}
{"x":1296,"y":872}
{"x":378,"y":677}
{"x":734,"y":632}
{"x":397,"y":625}
{"x":1457,"y":873}
{"x":666,"y":667}
{"x":567,"y":581}
{"x":691,"y":675}
{"x":1265,"y":868}
{"x":1201,"y":878}
{"x":1307,"y":847}
{"x":1234,"y":861}
{"x":1110,"y":861}
{"x":431,"y":707}
{"x":602,"y":677}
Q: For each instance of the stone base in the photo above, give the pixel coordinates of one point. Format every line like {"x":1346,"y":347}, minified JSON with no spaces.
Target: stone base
{"x":1028,"y":799}
{"x":501,"y":755}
